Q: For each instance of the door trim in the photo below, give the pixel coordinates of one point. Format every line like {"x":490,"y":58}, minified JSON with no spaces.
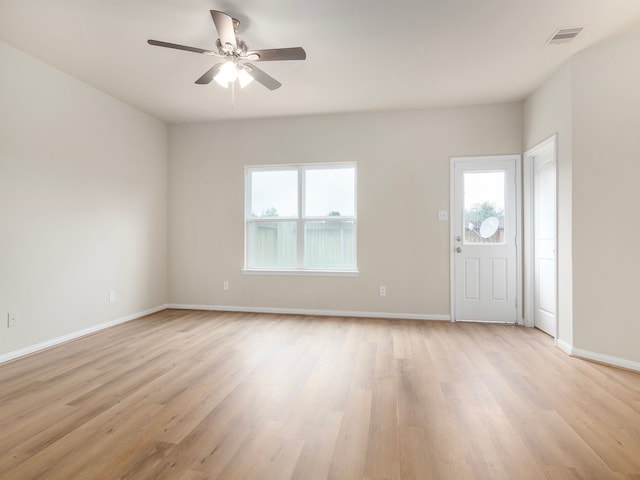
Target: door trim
{"x":550,"y":143}
{"x":519,"y":277}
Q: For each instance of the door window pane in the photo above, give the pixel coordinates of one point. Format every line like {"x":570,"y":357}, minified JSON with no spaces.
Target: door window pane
{"x":484,"y":207}
{"x":330,"y":192}
{"x":274,"y":193}
{"x":272,"y":245}
{"x":329,"y":245}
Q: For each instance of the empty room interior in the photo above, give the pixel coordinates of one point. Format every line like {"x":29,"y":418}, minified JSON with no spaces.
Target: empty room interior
{"x":319,"y":240}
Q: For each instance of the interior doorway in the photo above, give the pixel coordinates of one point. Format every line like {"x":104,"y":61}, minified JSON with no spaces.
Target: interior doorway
{"x":541,"y":278}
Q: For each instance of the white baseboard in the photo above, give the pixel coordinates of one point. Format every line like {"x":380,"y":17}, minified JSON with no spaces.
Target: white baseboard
{"x":608,"y":359}
{"x":598,"y":357}
{"x":72,"y":336}
{"x":564,"y":346}
{"x":303,"y":311}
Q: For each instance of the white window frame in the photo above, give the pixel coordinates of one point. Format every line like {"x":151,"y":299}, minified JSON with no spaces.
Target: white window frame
{"x":300,"y":220}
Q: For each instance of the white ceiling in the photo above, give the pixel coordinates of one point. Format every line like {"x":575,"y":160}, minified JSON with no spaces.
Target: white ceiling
{"x":362,"y":55}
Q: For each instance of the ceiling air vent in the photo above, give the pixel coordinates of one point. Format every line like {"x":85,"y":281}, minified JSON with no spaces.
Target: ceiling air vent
{"x":564,"y":35}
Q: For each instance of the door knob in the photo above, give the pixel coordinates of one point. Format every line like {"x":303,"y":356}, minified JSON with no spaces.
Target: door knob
{"x":459,"y":249}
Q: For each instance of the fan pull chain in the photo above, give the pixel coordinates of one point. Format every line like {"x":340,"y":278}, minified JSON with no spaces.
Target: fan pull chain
{"x":233,"y":94}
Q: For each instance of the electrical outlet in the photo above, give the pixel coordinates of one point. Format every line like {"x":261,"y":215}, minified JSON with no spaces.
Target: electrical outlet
{"x":225,"y":285}
{"x":12,"y":318}
{"x":112,"y":296}
{"x":383,"y":291}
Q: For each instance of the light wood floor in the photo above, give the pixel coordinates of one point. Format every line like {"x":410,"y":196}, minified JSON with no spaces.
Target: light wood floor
{"x":204,"y":395}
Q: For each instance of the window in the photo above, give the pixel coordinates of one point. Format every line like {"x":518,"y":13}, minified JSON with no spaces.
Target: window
{"x":301,"y":218}
{"x":484,"y":207}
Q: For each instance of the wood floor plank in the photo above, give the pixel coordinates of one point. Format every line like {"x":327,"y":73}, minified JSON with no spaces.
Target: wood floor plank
{"x":383,"y":443}
{"x":267,"y":454}
{"x":351,"y":446}
{"x":317,"y":453}
{"x":494,"y":448}
{"x":415,"y":455}
{"x":195,"y":395}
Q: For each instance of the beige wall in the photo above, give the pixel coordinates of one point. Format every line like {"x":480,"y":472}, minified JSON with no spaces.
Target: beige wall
{"x":593,"y":103}
{"x":606,"y":174}
{"x":547,"y":111}
{"x":83,"y":201}
{"x":403,"y":180}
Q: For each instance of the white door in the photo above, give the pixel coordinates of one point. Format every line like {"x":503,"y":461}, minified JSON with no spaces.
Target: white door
{"x":484,"y":245}
{"x":544,"y":247}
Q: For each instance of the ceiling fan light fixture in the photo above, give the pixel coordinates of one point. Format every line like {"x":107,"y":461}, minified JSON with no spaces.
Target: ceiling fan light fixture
{"x":233,"y":52}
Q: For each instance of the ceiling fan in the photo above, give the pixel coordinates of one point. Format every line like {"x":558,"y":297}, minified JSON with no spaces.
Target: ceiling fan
{"x":236,"y":56}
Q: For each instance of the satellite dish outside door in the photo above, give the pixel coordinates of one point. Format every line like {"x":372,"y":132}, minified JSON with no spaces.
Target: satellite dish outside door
{"x":489,"y":226}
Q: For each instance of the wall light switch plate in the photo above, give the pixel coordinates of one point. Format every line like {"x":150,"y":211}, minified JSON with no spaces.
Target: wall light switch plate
{"x":443,"y":215}
{"x":12,"y":319}
{"x":112,"y":296}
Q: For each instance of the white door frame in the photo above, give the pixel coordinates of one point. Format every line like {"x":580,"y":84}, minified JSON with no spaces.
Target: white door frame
{"x":549,"y":143}
{"x":452,"y":244}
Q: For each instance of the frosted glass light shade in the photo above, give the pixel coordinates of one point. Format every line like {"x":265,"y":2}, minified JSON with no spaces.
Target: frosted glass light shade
{"x":227,"y":74}
{"x":244,"y":78}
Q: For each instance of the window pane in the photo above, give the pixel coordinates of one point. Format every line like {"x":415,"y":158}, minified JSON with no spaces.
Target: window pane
{"x":330,"y":244}
{"x":272,"y":245}
{"x":330,"y":192}
{"x":274,"y":193}
{"x":484,"y":207}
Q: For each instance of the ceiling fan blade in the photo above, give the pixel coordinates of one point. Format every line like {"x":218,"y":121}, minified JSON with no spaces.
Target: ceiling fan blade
{"x":224,"y":26}
{"x":273,"y":54}
{"x":158,"y":43}
{"x":261,"y":77}
{"x":207,"y":76}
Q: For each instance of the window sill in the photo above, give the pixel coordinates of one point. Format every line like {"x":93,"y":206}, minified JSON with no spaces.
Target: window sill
{"x":313,"y":273}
